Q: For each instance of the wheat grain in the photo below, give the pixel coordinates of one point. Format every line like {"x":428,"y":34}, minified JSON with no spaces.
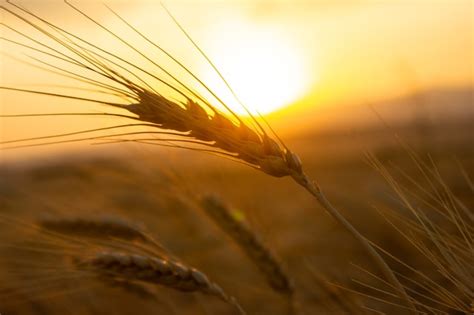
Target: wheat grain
{"x":133,"y":288}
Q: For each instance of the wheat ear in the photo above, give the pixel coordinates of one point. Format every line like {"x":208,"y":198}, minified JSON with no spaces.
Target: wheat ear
{"x":250,"y":244}
{"x":189,"y":122}
{"x":157,"y":271}
{"x":103,"y":227}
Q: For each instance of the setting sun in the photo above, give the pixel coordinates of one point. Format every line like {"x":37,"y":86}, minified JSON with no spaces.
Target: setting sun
{"x":237,"y":157}
{"x":264,"y":67}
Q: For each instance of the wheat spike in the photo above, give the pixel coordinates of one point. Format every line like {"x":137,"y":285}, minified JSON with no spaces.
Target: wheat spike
{"x":193,"y":121}
{"x":250,"y":243}
{"x":157,"y":271}
{"x":107,"y":226}
{"x":217,"y":131}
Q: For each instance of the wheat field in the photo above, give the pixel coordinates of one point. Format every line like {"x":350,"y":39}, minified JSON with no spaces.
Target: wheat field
{"x":174,"y":202}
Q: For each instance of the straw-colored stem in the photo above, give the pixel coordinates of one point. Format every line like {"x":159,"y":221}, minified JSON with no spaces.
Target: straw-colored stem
{"x":314,"y":190}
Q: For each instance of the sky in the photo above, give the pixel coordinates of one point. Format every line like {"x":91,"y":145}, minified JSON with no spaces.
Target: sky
{"x":276,"y":55}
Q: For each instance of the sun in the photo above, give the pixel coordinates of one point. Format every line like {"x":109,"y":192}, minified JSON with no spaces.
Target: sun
{"x":264,"y":67}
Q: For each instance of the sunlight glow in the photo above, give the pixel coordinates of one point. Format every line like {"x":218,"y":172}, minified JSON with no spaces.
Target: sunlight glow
{"x":263,"y":66}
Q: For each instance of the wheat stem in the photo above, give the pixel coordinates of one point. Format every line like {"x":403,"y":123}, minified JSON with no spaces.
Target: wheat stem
{"x":388,"y":273}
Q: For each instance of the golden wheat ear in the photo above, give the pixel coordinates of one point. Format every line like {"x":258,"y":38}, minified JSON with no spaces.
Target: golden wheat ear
{"x":192,"y":123}
{"x":190,"y":119}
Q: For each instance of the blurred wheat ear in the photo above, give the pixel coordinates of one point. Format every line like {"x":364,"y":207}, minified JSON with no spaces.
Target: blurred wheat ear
{"x":253,"y":247}
{"x":250,"y":243}
{"x":192,"y":123}
{"x":104,"y":227}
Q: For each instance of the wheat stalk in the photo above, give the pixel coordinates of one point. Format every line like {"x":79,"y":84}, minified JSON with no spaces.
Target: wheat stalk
{"x":157,"y":271}
{"x":192,"y":121}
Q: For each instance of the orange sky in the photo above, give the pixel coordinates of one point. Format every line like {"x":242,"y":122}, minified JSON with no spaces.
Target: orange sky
{"x":274,"y":53}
